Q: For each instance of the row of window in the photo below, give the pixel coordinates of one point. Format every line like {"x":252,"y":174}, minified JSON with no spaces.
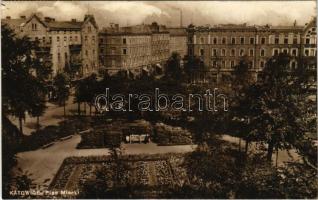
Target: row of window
{"x":223,"y":52}
{"x":233,"y":63}
{"x":294,"y":52}
{"x":242,"y":40}
{"x":65,"y":55}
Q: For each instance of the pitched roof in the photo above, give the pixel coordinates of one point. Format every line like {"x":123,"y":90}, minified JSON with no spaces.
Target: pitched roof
{"x":177,"y":31}
{"x":64,"y":25}
{"x":13,"y":23}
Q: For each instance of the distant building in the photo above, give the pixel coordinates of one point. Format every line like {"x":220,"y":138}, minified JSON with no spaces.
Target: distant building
{"x":61,"y":39}
{"x":221,"y":47}
{"x":178,"y":41}
{"x":134,"y":48}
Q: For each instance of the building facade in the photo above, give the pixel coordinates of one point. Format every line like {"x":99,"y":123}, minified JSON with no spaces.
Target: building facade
{"x":178,"y":41}
{"x":60,"y":39}
{"x":137,"y":48}
{"x":221,"y":47}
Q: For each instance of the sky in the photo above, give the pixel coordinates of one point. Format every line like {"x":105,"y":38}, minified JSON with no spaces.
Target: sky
{"x":168,"y":12}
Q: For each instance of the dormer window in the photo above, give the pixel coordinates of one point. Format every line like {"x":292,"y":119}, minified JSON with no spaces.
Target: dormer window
{"x":89,"y":28}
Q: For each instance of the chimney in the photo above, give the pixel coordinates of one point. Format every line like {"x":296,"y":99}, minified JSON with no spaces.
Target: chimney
{"x":8,"y":17}
{"x":180,"y":18}
{"x":47,"y":19}
{"x":73,"y":20}
{"x":22,"y":17}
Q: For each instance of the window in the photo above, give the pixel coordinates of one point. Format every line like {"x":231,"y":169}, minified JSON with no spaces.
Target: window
{"x":242,"y":40}
{"x":113,"y":63}
{"x":93,"y":38}
{"x":262,"y":52}
{"x":294,"y":52}
{"x":65,"y":38}
{"x":223,"y":52}
{"x":261,"y":64}
{"x":71,"y":38}
{"x":223,"y":63}
{"x":232,"y":64}
{"x":86,"y":52}
{"x":75,"y":38}
{"x":34,"y":27}
{"x":85,"y":37}
{"x":215,"y":41}
{"x":124,"y":51}
{"x":223,"y":40}
{"x":275,"y":52}
{"x":263,"y":40}
{"x":286,"y":40}
{"x":58,"y":38}
{"x":233,"y":41}
{"x":65,"y":56}
{"x":124,"y":41}
{"x":201,"y":52}
{"x":202,"y":40}
{"x":285,"y":51}
{"x":58,"y":57}
{"x":93,"y":52}
{"x":295,"y":40}
{"x":101,"y":40}
{"x":43,"y":39}
{"x":89,"y":28}
{"x":307,"y":41}
{"x":293,"y":65}
{"x":50,"y":40}
{"x":214,"y":52}
{"x":252,"y":40}
{"x":241,"y":52}
{"x":276,"y":40}
{"x":233,"y":52}
{"x":251,"y":52}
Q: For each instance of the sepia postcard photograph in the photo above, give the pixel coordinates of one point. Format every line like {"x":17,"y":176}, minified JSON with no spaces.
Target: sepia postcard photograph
{"x":159,"y":100}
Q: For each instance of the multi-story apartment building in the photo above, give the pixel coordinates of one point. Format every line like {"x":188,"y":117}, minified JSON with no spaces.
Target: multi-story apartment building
{"x":134,"y":48}
{"x":64,"y":43}
{"x":125,"y":48}
{"x":178,"y":41}
{"x":221,"y":47}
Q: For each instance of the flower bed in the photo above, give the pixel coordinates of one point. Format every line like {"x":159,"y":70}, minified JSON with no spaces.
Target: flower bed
{"x":170,"y":135}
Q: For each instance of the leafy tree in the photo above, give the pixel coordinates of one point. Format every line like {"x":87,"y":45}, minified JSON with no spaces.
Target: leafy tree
{"x":62,"y":89}
{"x":24,"y":76}
{"x":242,"y":101}
{"x":193,"y":65}
{"x":173,"y":67}
{"x":278,"y":118}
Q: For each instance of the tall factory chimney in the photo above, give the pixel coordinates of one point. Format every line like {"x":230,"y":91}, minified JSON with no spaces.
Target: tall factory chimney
{"x":180,"y":18}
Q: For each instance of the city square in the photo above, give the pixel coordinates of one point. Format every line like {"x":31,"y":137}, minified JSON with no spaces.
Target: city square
{"x":102,"y":102}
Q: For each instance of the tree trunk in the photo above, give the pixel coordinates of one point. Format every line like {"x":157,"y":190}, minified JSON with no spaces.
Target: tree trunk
{"x":64,"y":109}
{"x":20,"y":124}
{"x":276,"y":156}
{"x":37,"y":122}
{"x":270,"y":151}
{"x":78,"y":108}
{"x":246,"y":146}
{"x":240,"y":140}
